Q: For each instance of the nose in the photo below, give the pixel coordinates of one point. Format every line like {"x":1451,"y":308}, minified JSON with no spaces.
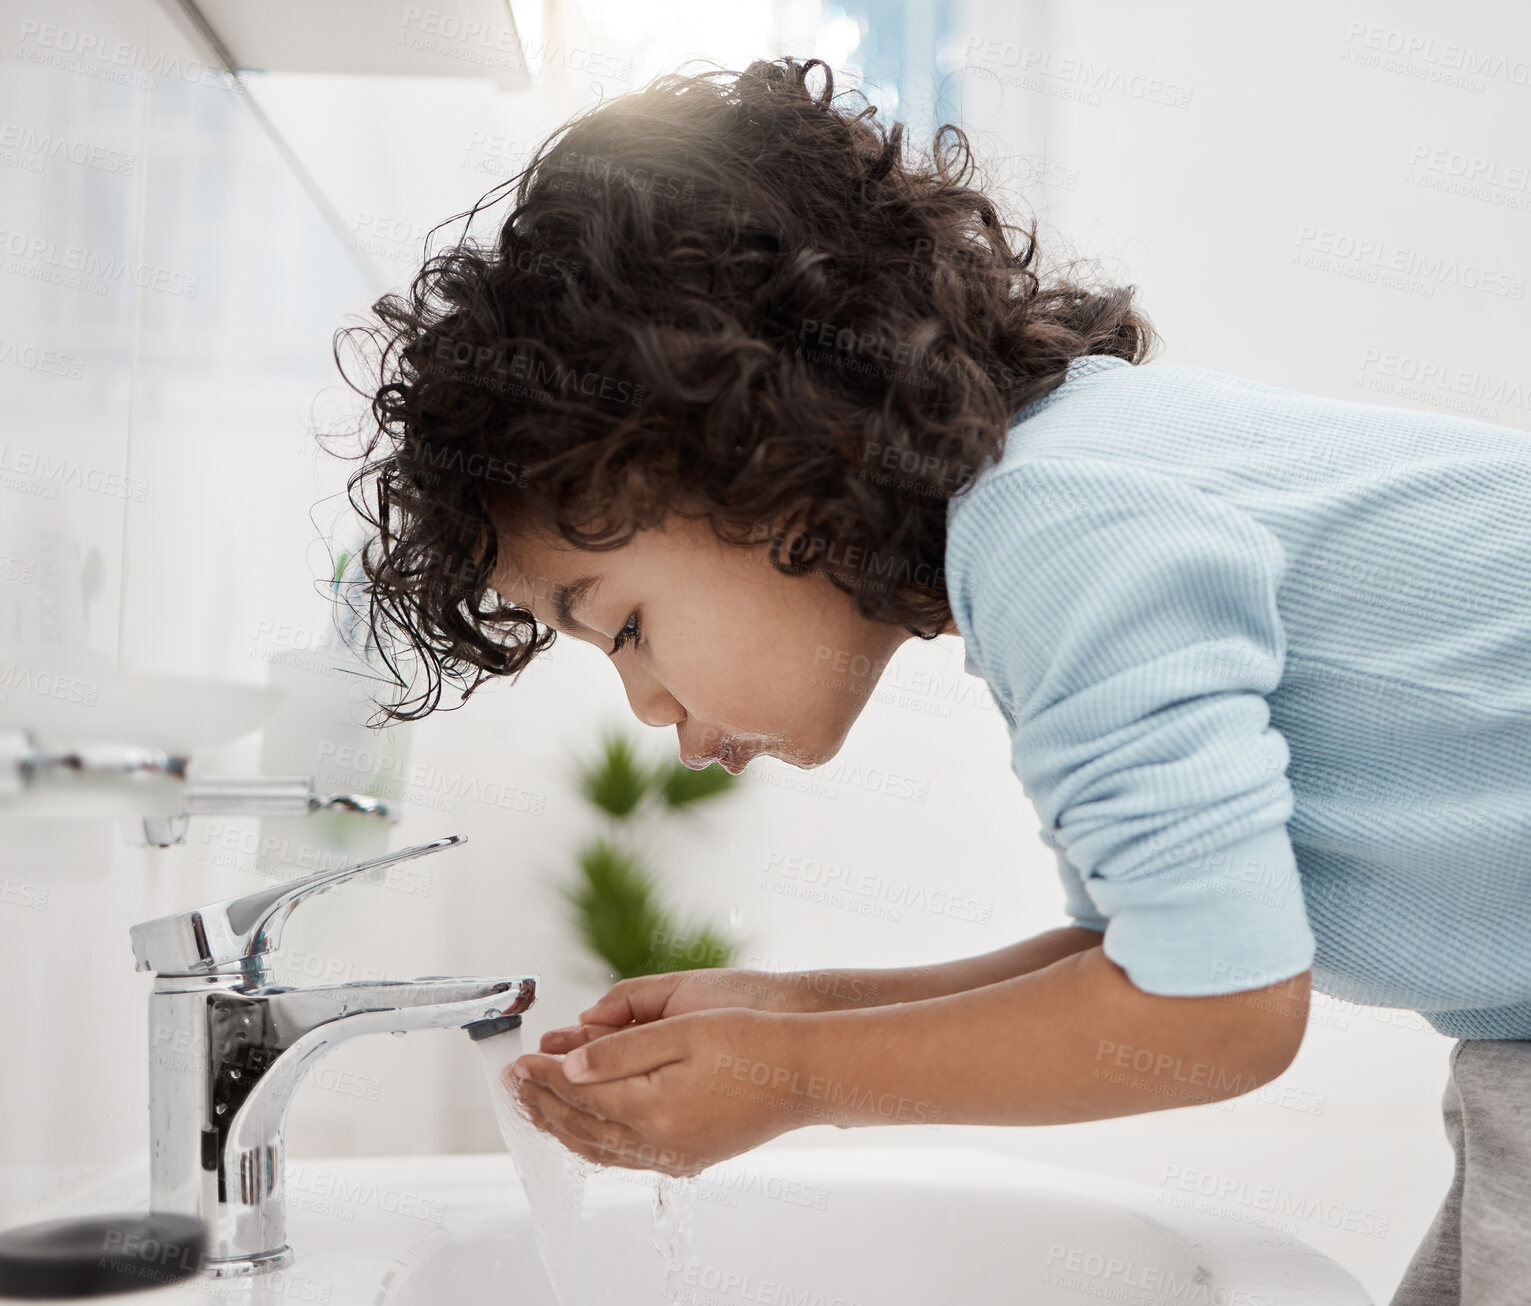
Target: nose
{"x":651,"y":703}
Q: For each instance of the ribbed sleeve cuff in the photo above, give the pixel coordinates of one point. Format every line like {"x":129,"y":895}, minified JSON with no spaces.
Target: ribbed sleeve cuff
{"x":1223,"y":922}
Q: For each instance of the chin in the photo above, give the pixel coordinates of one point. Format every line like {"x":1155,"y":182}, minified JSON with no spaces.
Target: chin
{"x":806,"y":759}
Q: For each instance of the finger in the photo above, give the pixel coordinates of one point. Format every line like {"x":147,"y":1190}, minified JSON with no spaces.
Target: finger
{"x":576,"y":1145}
{"x":569,"y":1118}
{"x":614,"y":1101}
{"x":610,"y":1146}
{"x":641,"y":999}
{"x":611,"y":1101}
{"x":626,"y":1054}
{"x":539,"y":1066}
{"x":558,"y":1041}
{"x":568,"y":1037}
{"x":605,"y":1141}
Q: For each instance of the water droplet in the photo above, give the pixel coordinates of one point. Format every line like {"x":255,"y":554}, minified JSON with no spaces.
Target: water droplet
{"x":220,"y":1108}
{"x":399,"y":1033}
{"x":233,"y":1074}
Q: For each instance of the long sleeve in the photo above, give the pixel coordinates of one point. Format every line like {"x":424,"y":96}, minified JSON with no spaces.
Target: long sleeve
{"x":1076,"y":902}
{"x":1127,"y":624}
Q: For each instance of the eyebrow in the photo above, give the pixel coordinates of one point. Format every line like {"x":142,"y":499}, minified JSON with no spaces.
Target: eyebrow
{"x":566,"y":596}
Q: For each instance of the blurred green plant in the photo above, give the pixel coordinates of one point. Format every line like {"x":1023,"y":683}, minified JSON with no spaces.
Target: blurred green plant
{"x":616,"y":898}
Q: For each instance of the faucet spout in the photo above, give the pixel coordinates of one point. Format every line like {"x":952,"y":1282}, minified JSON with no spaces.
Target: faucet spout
{"x":264,"y":1043}
{"x":256,"y":1045}
{"x":228,"y":1049}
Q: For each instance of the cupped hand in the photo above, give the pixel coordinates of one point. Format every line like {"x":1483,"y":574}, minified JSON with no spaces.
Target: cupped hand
{"x":646,"y":998}
{"x":674,"y":1095}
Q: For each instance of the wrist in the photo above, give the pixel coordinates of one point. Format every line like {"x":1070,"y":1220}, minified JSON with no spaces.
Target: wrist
{"x":773,"y":1068}
{"x":814,"y":992}
{"x":849,"y":1069}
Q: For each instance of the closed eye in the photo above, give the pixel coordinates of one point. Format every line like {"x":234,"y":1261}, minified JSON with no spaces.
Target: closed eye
{"x":628,"y":632}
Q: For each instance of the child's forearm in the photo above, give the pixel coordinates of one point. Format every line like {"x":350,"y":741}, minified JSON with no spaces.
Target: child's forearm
{"x":1069,"y":1042}
{"x":843,"y":990}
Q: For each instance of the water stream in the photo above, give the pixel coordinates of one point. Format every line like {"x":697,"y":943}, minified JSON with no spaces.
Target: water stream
{"x":674,"y":1233}
{"x":554,"y":1179}
{"x":553,"y":1176}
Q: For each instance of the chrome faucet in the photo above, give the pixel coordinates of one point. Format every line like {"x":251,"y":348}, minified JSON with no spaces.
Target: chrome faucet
{"x":228,"y":1049}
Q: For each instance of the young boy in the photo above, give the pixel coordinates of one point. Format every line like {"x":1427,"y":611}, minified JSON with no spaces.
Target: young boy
{"x":738,"y":384}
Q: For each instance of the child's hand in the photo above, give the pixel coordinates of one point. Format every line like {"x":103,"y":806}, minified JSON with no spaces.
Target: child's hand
{"x":647,"y":998}
{"x":669,"y":1095}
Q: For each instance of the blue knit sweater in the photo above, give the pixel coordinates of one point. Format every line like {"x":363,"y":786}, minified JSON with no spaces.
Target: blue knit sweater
{"x":1266,"y":661}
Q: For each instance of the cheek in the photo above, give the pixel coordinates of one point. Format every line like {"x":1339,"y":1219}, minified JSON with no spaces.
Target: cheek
{"x":746,"y":686}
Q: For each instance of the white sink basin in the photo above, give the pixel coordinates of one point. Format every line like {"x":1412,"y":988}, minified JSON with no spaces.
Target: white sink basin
{"x":782,"y":1226}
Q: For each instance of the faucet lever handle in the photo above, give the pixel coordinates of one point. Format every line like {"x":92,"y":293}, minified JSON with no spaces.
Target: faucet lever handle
{"x":225,"y":935}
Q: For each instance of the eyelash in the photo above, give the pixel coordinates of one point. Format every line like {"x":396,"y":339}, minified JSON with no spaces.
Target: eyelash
{"x":623,"y":636}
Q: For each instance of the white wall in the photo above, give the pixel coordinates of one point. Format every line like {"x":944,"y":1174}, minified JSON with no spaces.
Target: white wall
{"x":167,"y":294}
{"x":1286,"y":129}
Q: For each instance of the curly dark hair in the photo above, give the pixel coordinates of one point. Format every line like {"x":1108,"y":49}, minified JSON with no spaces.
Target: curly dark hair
{"x":722,"y":295}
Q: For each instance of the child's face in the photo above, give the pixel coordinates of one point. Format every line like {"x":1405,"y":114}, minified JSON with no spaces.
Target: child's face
{"x":727,"y":648}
